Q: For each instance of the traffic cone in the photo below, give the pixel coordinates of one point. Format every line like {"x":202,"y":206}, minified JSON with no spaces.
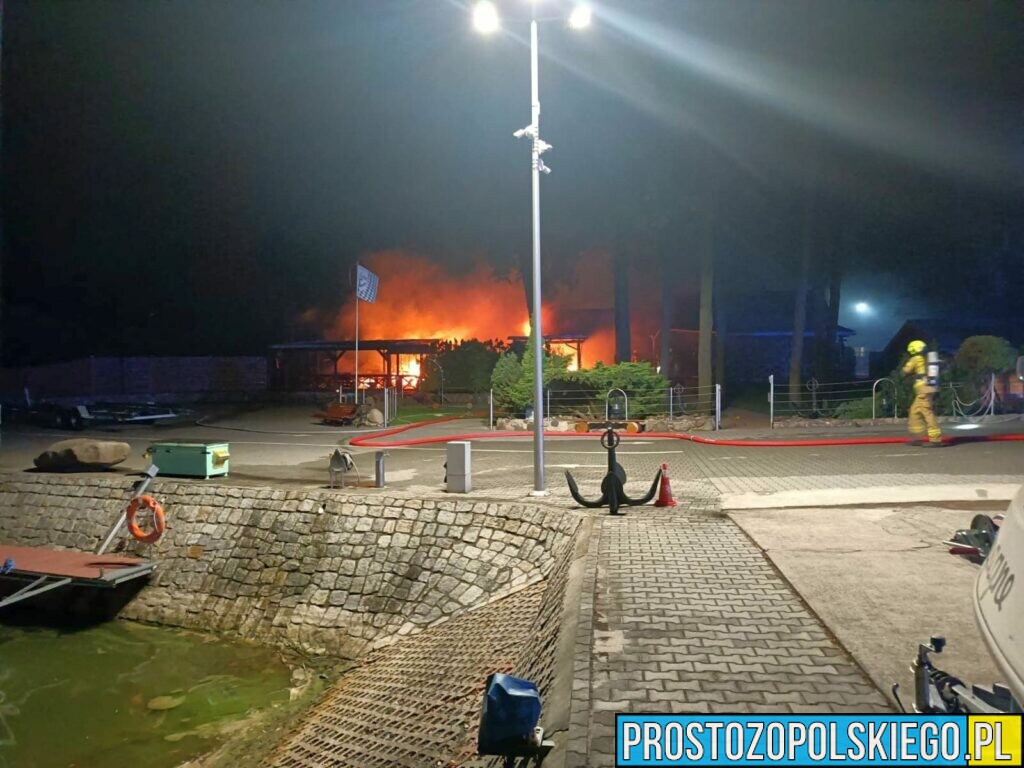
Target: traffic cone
{"x":665,"y":491}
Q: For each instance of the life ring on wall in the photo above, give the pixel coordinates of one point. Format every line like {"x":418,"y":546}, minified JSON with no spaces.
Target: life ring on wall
{"x":159,"y":523}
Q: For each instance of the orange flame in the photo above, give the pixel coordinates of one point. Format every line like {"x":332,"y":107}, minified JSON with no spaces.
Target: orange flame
{"x":421,"y":299}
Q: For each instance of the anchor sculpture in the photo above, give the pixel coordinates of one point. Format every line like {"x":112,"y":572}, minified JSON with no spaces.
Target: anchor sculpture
{"x":612,"y":491}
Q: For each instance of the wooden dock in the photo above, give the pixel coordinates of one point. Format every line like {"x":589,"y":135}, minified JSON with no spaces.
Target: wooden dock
{"x":40,"y":570}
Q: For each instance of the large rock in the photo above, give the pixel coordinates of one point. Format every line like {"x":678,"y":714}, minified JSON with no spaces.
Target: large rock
{"x":682,"y":424}
{"x":558,"y":425}
{"x":82,"y":454}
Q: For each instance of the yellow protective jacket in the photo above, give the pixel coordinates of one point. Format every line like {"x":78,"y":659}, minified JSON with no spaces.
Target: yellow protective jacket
{"x":918,"y":367}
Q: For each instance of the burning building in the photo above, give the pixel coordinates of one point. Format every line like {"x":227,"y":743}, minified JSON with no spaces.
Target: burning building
{"x":421,"y":306}
{"x":324,"y":366}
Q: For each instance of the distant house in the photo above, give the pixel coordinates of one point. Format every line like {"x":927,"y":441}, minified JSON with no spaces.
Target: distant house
{"x":751,"y":356}
{"x":946,"y":334}
{"x":758,"y":342}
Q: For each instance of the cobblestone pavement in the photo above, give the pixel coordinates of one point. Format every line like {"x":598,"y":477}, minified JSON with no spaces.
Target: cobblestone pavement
{"x":682,"y":613}
{"x":741,"y":470}
{"x":504,"y":469}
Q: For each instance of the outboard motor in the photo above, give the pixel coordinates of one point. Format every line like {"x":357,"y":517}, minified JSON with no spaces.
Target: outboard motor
{"x":509,"y":720}
{"x":975,"y":543}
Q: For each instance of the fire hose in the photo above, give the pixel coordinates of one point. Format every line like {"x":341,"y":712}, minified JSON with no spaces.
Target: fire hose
{"x":377,"y":439}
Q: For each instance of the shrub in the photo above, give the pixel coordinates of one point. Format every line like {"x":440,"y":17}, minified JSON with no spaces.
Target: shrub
{"x":506,"y":382}
{"x":640,"y":381}
{"x":582,"y":392}
{"x":977,"y":359}
{"x":856,"y":409}
{"x":467,"y":367}
{"x":981,"y":356}
{"x":512,"y":378}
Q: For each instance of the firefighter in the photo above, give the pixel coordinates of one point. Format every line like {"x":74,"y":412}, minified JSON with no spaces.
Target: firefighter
{"x":925,"y":372}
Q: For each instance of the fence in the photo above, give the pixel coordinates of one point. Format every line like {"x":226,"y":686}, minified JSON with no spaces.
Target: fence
{"x":981,"y":406}
{"x":197,"y":377}
{"x":872,"y":399}
{"x":672,"y":402}
{"x":834,"y":400}
{"x":390,"y":398}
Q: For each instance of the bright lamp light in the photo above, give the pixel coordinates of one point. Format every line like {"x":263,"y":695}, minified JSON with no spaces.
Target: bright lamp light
{"x":862,"y":308}
{"x":580,"y":17}
{"x":485,"y":17}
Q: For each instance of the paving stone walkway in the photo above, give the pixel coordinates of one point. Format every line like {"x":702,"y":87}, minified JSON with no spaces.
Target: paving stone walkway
{"x":503,"y":470}
{"x":682,"y":613}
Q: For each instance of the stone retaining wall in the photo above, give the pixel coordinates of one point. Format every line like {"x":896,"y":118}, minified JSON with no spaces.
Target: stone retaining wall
{"x":417,"y":702}
{"x":324,"y":571}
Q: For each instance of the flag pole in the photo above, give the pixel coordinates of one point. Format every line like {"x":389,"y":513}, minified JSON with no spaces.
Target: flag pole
{"x":357,"y":335}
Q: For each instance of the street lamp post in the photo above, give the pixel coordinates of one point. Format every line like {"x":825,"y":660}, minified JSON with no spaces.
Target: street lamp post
{"x":538,"y":335}
{"x":485,"y":17}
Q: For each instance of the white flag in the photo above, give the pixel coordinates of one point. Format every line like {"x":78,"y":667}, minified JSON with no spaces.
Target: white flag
{"x":366,"y":284}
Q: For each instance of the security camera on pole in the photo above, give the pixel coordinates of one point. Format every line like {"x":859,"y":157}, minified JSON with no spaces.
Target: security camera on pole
{"x":487,"y":20}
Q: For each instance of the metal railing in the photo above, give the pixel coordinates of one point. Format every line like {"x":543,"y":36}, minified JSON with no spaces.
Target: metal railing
{"x":982,"y":406}
{"x":836,"y":399}
{"x":390,"y":405}
{"x":846,"y":399}
{"x":620,"y":404}
{"x":607,"y":403}
{"x":895,"y":396}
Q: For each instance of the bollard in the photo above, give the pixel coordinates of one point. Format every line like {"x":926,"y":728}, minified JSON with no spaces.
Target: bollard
{"x":718,"y":407}
{"x":459,"y":466}
{"x":378,"y":466}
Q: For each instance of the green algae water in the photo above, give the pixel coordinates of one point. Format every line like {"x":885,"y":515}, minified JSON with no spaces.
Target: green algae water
{"x":125,"y":694}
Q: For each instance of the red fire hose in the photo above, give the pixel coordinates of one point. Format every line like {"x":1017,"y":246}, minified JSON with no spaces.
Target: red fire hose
{"x":376,"y":440}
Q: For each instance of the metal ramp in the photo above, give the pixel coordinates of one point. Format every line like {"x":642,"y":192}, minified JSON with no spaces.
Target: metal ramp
{"x":40,"y":570}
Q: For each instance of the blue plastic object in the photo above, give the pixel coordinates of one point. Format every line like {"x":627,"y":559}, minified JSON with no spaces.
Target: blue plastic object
{"x":8,"y":566}
{"x":511,"y":710}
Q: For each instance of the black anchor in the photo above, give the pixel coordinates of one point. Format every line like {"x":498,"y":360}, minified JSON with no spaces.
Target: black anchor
{"x":612,"y":492}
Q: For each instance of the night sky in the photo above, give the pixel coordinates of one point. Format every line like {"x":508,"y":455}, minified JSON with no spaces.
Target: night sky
{"x":188,"y":177}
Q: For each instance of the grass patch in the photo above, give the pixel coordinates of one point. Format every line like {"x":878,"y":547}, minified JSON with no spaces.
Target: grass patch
{"x":412,"y":412}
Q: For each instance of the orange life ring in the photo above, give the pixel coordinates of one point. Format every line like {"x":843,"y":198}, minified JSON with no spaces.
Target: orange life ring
{"x":159,"y":524}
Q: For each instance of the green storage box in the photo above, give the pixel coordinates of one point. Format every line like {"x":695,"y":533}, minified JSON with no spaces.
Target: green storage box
{"x":190,"y":459}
